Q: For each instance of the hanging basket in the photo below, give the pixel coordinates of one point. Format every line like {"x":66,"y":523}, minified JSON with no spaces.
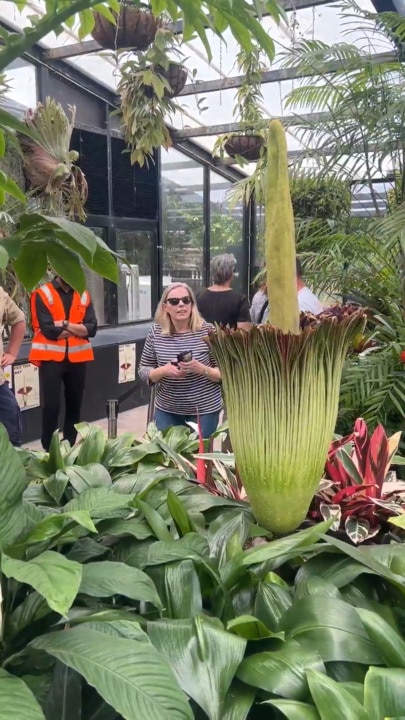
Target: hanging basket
{"x":135,"y":29}
{"x":246,"y":146}
{"x":176,"y":76}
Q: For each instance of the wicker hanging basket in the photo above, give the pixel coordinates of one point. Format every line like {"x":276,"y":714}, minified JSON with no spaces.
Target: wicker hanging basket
{"x":135,"y":29}
{"x":176,"y":76}
{"x":246,"y":146}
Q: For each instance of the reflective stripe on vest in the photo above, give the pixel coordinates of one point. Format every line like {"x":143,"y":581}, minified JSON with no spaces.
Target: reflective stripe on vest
{"x":47,"y":292}
{"x":48,"y":347}
{"x":78,"y":348}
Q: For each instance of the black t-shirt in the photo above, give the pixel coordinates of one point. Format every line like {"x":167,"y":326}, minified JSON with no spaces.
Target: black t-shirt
{"x":225,"y":307}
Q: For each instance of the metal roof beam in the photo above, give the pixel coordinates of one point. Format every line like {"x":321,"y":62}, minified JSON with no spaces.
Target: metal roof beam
{"x":270,"y":76}
{"x":91,"y":46}
{"x":205,"y":131}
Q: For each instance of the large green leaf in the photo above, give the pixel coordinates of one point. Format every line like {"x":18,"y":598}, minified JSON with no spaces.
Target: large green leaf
{"x":250,"y":628}
{"x":385,"y":638}
{"x":178,"y":585}
{"x":155,"y":521}
{"x":132,"y":677}
{"x":101,"y":502}
{"x":66,"y":264}
{"x":271,"y":603}
{"x":86,"y":549}
{"x":105,"y":579}
{"x":332,"y":701}
{"x":89,"y":476}
{"x":332,"y":568}
{"x":203,"y":656}
{"x":363,"y":556}
{"x":294,"y":710}
{"x":64,"y":700}
{"x":76,"y":237}
{"x":191,"y":546}
{"x":55,"y":525}
{"x":282,"y":671}
{"x":104,"y":263}
{"x":32,"y":608}
{"x":238,"y":701}
{"x":8,"y":185}
{"x":276,"y":552}
{"x":180,"y":516}
{"x":223,"y":529}
{"x":333,"y":627}
{"x":51,"y":574}
{"x":17,"y":700}
{"x":384,"y":693}
{"x":31,"y":264}
{"x":135,"y":526}
{"x":92,"y":448}
{"x":13,"y":482}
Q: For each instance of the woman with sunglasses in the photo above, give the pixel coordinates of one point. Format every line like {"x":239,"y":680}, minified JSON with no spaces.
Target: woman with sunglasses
{"x":176,"y":359}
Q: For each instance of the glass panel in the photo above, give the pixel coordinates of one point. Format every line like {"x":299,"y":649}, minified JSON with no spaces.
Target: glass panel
{"x":95,"y":285}
{"x":135,"y":286}
{"x":22,"y":80}
{"x":182,"y":219}
{"x":226,"y":227}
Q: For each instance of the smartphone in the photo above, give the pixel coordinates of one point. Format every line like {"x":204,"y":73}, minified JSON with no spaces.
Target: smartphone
{"x":185,"y":356}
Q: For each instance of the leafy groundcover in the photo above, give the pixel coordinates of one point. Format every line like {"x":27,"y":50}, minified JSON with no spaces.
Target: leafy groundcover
{"x":129,"y":591}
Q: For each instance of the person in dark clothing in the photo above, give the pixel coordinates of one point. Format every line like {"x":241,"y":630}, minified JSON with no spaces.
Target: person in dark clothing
{"x":63,"y":321}
{"x":219,"y":303}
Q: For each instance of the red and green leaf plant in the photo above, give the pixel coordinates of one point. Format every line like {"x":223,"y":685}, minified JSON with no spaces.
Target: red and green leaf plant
{"x":358,"y":490}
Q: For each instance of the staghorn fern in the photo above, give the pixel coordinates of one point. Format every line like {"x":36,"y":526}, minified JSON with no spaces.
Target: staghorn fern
{"x":49,"y":164}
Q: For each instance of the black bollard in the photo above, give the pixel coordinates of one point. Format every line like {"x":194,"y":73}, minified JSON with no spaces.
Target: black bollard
{"x":112,"y":417}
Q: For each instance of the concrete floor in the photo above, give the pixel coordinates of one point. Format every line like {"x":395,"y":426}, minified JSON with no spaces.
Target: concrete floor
{"x":129,"y":421}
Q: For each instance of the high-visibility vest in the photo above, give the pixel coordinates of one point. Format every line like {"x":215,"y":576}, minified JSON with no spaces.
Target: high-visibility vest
{"x":76,"y":349}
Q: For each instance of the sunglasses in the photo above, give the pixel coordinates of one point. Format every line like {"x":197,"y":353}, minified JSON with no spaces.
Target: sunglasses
{"x":186,"y":300}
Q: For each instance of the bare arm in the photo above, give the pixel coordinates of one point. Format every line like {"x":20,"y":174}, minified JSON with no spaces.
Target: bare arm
{"x":17,"y":333}
{"x":244,"y":325}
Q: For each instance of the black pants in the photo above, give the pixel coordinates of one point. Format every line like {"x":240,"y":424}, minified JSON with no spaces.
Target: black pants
{"x":51,"y":376}
{"x":10,"y":414}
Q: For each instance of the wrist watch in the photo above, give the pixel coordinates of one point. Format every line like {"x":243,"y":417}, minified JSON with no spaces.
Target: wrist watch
{"x":65,"y":323}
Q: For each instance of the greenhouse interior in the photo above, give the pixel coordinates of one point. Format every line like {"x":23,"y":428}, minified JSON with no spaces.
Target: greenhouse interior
{"x":202,"y":360}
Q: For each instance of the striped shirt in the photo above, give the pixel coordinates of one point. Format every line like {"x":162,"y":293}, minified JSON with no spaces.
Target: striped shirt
{"x":183,"y":396}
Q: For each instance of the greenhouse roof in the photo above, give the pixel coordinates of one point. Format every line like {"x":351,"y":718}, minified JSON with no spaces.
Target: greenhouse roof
{"x":207,"y":112}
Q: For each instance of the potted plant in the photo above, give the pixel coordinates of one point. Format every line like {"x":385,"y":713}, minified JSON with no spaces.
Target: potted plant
{"x":132,"y":27}
{"x":147,"y":87}
{"x":49,"y":165}
{"x":247,"y":146}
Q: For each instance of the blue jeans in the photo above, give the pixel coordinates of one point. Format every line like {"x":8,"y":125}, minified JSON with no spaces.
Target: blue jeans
{"x":208,"y":421}
{"x":10,"y":414}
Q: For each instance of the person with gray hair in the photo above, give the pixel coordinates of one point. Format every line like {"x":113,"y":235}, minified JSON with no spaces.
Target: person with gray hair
{"x":219,"y":303}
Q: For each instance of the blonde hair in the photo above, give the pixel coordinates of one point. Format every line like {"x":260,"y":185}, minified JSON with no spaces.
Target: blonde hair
{"x":163,"y":319}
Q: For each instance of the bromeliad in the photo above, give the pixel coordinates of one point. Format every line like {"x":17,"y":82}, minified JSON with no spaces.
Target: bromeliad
{"x":281,"y":380}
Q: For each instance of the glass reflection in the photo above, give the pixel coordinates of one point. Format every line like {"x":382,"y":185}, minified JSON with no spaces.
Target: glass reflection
{"x":135,"y":288}
{"x":226,"y":226}
{"x":182,"y":219}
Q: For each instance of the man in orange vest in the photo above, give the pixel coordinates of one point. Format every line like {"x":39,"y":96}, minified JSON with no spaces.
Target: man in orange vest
{"x":62,"y":321}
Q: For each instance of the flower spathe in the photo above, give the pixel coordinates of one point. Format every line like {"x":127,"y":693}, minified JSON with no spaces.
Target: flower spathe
{"x":282,"y":392}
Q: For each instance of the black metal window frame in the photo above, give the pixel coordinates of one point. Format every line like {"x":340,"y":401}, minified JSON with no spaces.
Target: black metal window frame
{"x":109,"y":222}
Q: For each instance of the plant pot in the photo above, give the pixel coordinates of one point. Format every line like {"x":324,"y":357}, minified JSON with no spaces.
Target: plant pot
{"x":176,"y":76}
{"x":246,"y":146}
{"x":135,"y":29}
